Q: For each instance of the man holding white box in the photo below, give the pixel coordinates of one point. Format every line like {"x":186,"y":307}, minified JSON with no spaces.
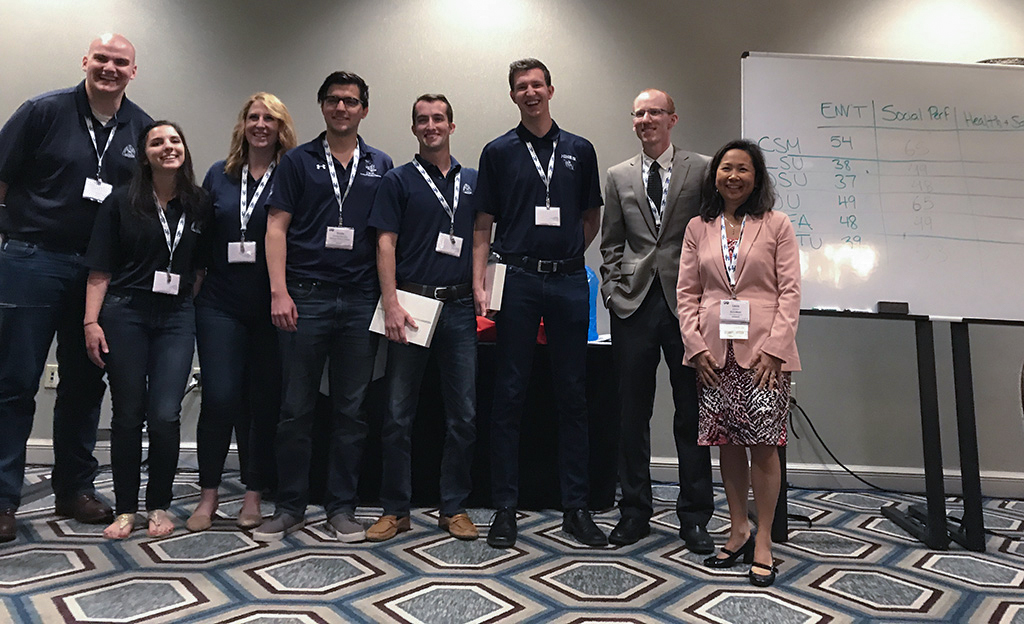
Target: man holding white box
{"x":424,"y":216}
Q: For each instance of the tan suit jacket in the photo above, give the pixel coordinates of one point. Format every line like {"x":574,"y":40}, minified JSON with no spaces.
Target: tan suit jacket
{"x":634,"y":251}
{"x":767,"y":275}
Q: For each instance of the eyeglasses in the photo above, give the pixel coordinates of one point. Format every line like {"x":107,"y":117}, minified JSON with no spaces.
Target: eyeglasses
{"x":653,"y":112}
{"x":350,"y":103}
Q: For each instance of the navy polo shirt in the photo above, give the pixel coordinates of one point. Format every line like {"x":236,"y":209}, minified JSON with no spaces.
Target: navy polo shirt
{"x":46,"y":155}
{"x":240,"y":289}
{"x":407,"y":206}
{"x":132,"y":247}
{"x":510,"y":188}
{"x":302,"y":187}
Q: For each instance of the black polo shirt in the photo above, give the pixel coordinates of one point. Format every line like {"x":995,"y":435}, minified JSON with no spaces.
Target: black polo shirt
{"x":407,"y":206}
{"x":240,"y":289}
{"x":302,"y":187}
{"x":132,"y":247}
{"x":46,"y":155}
{"x":510,"y":188}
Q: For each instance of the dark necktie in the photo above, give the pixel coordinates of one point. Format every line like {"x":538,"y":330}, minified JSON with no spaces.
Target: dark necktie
{"x":654,"y":187}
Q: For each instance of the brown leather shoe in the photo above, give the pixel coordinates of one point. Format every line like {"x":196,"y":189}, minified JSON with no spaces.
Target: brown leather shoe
{"x":8,"y":528}
{"x":85,"y":508}
{"x":459,"y":526}
{"x":387,"y":527}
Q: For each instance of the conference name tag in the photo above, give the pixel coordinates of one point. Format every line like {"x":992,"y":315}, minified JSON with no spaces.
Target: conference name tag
{"x":242,"y":252}
{"x":96,"y":190}
{"x":340,"y":237}
{"x":734,"y":320}
{"x":548,"y":215}
{"x":166,"y":282}
{"x":448,"y":244}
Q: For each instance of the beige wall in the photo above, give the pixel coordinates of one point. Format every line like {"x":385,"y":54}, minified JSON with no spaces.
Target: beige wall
{"x":198,"y":60}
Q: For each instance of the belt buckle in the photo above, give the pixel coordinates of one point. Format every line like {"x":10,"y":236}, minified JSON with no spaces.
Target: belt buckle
{"x":547,"y":266}
{"x":440,"y":293}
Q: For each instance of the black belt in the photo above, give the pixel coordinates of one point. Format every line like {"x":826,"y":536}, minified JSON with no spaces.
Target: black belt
{"x":544,"y":266}
{"x":43,"y":246}
{"x":441,"y":293}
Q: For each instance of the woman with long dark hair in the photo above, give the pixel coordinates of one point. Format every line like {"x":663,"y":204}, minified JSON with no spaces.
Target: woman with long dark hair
{"x":139,"y":319}
{"x":739,"y":302}
{"x":238,"y":350}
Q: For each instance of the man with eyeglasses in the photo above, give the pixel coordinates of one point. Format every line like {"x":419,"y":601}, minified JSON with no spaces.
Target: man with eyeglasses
{"x":650,"y":199}
{"x":540,"y":184}
{"x":321,"y":256}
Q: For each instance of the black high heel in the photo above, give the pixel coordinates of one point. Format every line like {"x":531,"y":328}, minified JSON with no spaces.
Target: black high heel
{"x":746,"y":551}
{"x":762,"y":580}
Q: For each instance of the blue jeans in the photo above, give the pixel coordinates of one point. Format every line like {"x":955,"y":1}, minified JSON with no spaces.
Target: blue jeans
{"x":454,"y":345}
{"x":561,"y":299}
{"x":241,"y":367}
{"x":151,"y":338}
{"x":42,"y":293}
{"x":334,"y":323}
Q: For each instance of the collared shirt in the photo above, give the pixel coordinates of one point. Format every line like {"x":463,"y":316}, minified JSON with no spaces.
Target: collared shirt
{"x":408,"y":207}
{"x":131,"y":247}
{"x":302,"y":187}
{"x":510,"y":188}
{"x":46,"y":155}
{"x":664,"y":164}
{"x":241,"y":289}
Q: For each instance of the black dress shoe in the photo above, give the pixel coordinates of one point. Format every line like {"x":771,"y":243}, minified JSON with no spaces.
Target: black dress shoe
{"x":8,"y":528}
{"x":762,"y":580}
{"x":85,"y":508}
{"x":697,"y":539}
{"x":503,"y":531}
{"x":579,"y":524}
{"x":629,"y":531}
{"x":746,"y":551}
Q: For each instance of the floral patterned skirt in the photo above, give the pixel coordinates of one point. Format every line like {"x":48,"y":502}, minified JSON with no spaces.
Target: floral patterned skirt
{"x":737,"y":412}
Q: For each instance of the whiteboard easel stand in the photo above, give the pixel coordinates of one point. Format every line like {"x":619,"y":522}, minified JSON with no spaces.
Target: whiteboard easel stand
{"x":927,"y":523}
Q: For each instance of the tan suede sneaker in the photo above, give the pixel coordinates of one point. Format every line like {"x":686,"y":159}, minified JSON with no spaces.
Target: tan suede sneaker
{"x":387,"y":527}
{"x":459,"y":526}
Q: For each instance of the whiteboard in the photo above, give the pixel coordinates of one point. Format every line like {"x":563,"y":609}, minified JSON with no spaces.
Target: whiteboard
{"x":903,"y":180}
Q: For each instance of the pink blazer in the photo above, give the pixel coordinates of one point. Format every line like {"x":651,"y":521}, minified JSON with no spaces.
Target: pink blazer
{"x":767,"y":275}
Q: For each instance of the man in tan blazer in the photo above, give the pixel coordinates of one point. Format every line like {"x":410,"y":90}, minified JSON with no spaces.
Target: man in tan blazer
{"x":649,"y":200}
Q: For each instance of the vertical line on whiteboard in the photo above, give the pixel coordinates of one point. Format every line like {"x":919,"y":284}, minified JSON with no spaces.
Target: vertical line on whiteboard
{"x":878,"y":178}
{"x":970,"y":199}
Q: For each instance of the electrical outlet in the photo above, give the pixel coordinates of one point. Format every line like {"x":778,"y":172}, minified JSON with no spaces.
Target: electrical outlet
{"x":51,"y":377}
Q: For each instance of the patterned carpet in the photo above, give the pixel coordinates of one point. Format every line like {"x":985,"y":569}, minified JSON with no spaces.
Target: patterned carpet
{"x":852,"y":565}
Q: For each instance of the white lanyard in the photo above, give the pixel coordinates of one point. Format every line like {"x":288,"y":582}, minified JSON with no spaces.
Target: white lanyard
{"x":96,"y":146}
{"x":646,"y":172}
{"x":450,"y":210}
{"x":551,"y":170}
{"x":334,"y":176}
{"x":171,"y":246}
{"x":245,"y":206}
{"x":731,"y":259}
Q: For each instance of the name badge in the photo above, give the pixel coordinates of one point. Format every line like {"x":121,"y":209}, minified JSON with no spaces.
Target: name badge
{"x":449,"y":245}
{"x":734,"y":320}
{"x":166,"y":282}
{"x":548,"y":215}
{"x":96,"y":190}
{"x":340,"y":237}
{"x":244,"y":251}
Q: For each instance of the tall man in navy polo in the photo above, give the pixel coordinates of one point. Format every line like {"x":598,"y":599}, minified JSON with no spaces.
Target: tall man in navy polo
{"x":323,"y":288}
{"x":424,"y":220}
{"x":61,"y":154}
{"x":540,"y":185}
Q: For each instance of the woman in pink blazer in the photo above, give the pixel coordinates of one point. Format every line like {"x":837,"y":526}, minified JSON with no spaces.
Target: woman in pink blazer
{"x":739,"y":302}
